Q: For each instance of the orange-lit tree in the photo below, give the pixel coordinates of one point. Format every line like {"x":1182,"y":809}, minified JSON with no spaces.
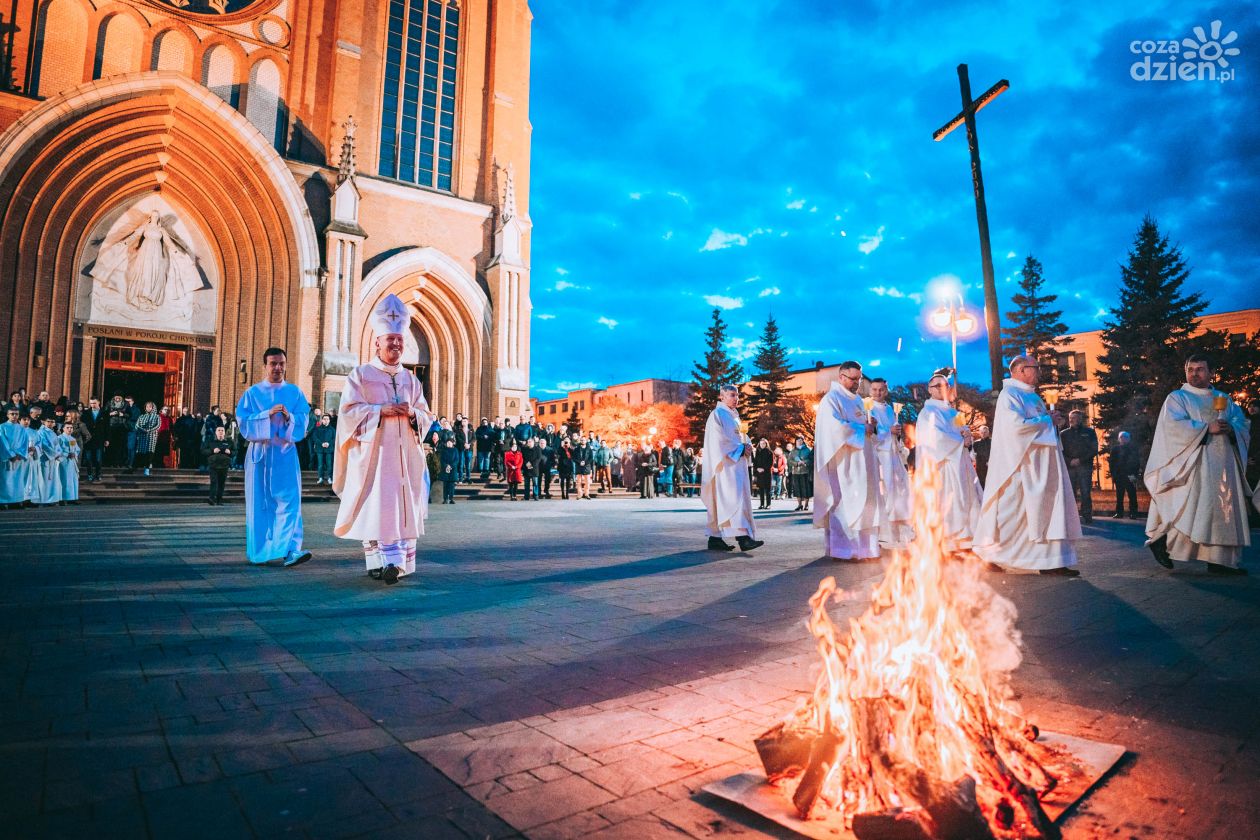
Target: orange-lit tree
{"x":615,"y":421}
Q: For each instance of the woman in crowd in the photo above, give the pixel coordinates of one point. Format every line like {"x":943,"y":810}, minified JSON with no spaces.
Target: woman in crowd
{"x":148,"y":426}
{"x":513,"y":459}
{"x":763,"y":464}
{"x":691,"y":470}
{"x":801,"y":474}
{"x":646,"y":467}
{"x":778,"y":470}
{"x":564,"y":466}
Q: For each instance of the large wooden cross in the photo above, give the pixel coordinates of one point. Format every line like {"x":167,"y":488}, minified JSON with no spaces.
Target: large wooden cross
{"x":967,"y":116}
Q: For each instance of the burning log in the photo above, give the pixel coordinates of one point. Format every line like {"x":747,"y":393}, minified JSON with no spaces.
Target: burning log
{"x":822,"y":756}
{"x":951,"y":813}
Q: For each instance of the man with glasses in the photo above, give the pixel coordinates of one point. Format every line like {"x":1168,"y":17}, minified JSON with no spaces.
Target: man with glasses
{"x":941,"y":446}
{"x":1028,"y":519}
{"x":724,"y":486}
{"x":846,"y":471}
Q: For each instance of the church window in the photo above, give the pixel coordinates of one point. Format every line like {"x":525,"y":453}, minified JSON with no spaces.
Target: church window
{"x":418,"y":101}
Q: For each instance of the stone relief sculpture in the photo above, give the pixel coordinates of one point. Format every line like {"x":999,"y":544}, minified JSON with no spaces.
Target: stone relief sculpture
{"x":145,"y":260}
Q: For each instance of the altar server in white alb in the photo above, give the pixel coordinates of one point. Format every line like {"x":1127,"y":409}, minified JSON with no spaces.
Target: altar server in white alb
{"x":15,"y":454}
{"x":725,"y":488}
{"x":68,"y":455}
{"x":846,"y":471}
{"x":895,"y":530}
{"x":1028,"y":520}
{"x":379,"y":468}
{"x":45,"y":477}
{"x":941,"y":439}
{"x":272,"y":416}
{"x":1196,"y":476}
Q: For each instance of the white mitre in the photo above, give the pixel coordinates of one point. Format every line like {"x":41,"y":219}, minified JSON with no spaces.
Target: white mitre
{"x":390,"y":317}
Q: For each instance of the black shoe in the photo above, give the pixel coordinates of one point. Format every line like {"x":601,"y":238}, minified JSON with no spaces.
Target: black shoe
{"x":210,"y":502}
{"x":1062,"y":571}
{"x":1160,"y":549}
{"x":1230,"y":571}
{"x":390,"y":575}
{"x":748,"y":543}
{"x":719,"y":544}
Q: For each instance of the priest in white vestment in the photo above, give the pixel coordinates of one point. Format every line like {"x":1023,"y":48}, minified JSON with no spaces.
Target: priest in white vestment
{"x":846,"y":471}
{"x":895,"y":530}
{"x":725,"y":487}
{"x":1028,"y":519}
{"x":379,"y":468}
{"x":15,"y":453}
{"x":941,"y":440}
{"x":1196,"y":476}
{"x":272,"y":416}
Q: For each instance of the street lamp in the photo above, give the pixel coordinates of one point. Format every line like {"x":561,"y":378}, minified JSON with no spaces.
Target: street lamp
{"x":954,"y":317}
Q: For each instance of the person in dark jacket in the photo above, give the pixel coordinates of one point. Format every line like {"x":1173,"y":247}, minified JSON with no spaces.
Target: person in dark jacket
{"x":691,"y":469}
{"x":564,"y":467}
{"x":1126,"y":465}
{"x":548,"y":464}
{"x":763,"y":464}
{"x":218,"y":453}
{"x":97,"y":421}
{"x":801,"y":473}
{"x":1080,"y":448}
{"x":665,"y":471}
{"x":119,"y":425}
{"x":583,"y":466}
{"x":323,"y":445}
{"x":531,"y":467}
{"x":485,"y":437}
{"x":981,"y":448}
{"x":450,"y":460}
{"x":645,"y":468}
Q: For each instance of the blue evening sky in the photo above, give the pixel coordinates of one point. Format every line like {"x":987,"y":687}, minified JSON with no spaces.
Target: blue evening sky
{"x":777,"y":157}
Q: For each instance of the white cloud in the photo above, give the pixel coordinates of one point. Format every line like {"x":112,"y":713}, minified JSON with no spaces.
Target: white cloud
{"x":870,"y":243}
{"x":1010,"y":255}
{"x":805,"y":351}
{"x":679,"y":196}
{"x":724,"y":301}
{"x":750,"y":325}
{"x":607,"y":322}
{"x":720,"y":239}
{"x":561,"y":285}
{"x":873,"y":363}
{"x":814,"y":209}
{"x":796,"y":205}
{"x":562,"y":271}
{"x":741,"y":349}
{"x":772,"y":290}
{"x":844,"y":233}
{"x":545,"y":316}
{"x":669,"y":234}
{"x":575,"y":386}
{"x":753,"y":279}
{"x":894,"y":292}
{"x":635,"y":196}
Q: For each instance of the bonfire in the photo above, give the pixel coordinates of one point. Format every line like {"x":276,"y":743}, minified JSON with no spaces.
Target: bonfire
{"x":912,"y":729}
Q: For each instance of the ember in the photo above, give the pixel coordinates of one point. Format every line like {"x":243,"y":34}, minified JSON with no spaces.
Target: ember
{"x":912,"y":729}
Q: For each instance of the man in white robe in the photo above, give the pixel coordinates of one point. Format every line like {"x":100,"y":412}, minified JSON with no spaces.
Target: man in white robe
{"x":941,"y":441}
{"x":1028,"y":519}
{"x":895,"y":530}
{"x":15,"y":452}
{"x":272,"y":416}
{"x":846,"y":471}
{"x":379,"y":468}
{"x":45,"y":488}
{"x":1196,"y":476}
{"x":725,"y":487}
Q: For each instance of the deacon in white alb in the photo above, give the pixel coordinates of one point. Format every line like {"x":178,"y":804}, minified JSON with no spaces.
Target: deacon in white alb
{"x":272,"y":415}
{"x":724,"y":485}
{"x":1028,"y":519}
{"x":1195,"y":475}
{"x":941,"y":440}
{"x":846,"y":471}
{"x":895,"y":530}
{"x":379,"y":469}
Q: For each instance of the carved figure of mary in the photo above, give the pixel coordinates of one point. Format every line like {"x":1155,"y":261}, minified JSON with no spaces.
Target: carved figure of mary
{"x":147,"y":267}
{"x":150,"y":260}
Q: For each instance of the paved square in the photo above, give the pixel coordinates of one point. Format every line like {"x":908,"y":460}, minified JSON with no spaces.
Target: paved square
{"x":553,"y":670}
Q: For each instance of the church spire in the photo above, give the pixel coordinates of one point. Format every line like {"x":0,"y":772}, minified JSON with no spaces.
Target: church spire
{"x":508,"y":211}
{"x":346,"y":165}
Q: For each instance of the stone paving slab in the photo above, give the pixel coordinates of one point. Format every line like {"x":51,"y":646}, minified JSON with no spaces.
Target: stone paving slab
{"x":553,"y":670}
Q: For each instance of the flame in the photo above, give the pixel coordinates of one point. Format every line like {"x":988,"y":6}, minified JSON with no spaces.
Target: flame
{"x":919,"y":689}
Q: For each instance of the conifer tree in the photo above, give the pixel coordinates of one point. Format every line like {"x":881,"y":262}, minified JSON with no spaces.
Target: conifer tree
{"x":1146,"y":337}
{"x":1035,"y":327}
{"x":774,"y":409}
{"x":717,"y":369}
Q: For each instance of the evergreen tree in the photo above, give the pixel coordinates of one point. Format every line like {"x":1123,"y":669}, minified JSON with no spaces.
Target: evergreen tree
{"x":773,"y":408}
{"x":717,"y":369}
{"x":1034,"y":325}
{"x":1147,"y":337}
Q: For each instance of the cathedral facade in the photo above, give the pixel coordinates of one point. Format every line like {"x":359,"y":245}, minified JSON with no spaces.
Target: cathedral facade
{"x":184,"y":183}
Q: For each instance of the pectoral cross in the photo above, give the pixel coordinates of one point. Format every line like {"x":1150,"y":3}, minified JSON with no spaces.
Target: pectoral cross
{"x":967,"y":116}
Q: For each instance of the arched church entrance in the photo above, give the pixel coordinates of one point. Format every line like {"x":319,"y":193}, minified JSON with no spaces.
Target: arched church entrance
{"x":152,"y":240}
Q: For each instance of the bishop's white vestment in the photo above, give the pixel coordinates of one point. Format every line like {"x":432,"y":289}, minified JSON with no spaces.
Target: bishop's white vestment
{"x":1028,"y":518}
{"x":895,"y":530}
{"x":15,"y":442}
{"x":846,"y":477}
{"x":725,"y":487}
{"x":939,"y":446}
{"x":273,"y":474}
{"x":379,"y":469}
{"x":1197,"y":480}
